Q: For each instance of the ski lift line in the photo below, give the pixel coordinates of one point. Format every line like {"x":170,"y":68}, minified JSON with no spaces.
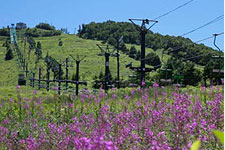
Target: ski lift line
{"x":179,"y":47}
{"x":196,"y":56}
{"x":144,"y":21}
{"x":208,"y":37}
{"x":167,"y":13}
{"x":204,"y":39}
{"x":210,"y":22}
{"x":189,"y":58}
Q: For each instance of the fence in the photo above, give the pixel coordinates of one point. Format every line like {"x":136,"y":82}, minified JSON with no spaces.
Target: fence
{"x":56,"y":83}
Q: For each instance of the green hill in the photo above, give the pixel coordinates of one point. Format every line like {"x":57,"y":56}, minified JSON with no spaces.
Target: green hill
{"x":110,"y":31}
{"x":84,"y":44}
{"x":72,"y":45}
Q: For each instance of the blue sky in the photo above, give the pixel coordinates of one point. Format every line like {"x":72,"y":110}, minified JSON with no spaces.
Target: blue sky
{"x":72,"y":13}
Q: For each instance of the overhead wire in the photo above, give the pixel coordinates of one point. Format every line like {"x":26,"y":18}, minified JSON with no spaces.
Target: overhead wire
{"x":167,"y":13}
{"x":208,"y":37}
{"x":202,"y":26}
{"x":179,"y":47}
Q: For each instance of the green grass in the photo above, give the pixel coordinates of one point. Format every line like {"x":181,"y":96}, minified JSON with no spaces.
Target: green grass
{"x":72,"y":45}
{"x":8,"y":69}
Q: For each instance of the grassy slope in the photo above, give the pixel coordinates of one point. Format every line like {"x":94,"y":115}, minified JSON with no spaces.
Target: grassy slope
{"x":8,"y":69}
{"x":92,"y":65}
{"x":72,"y":45}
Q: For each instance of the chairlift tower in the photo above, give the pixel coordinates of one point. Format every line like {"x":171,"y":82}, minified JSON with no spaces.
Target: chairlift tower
{"x":13,"y":36}
{"x":220,"y":70}
{"x":105,"y":53}
{"x":143,"y":31}
{"x":117,"y":54}
{"x":78,"y":60}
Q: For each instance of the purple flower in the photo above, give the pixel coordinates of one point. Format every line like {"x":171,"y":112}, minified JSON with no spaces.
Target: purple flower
{"x":203,"y":88}
{"x":11,"y":100}
{"x":132,"y":92}
{"x":56,"y":88}
{"x":114,"y":96}
{"x":155,"y":85}
{"x":127,"y":97}
{"x":17,"y":87}
{"x":34,"y":92}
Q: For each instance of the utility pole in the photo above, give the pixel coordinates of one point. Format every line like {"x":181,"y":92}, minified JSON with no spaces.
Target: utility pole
{"x":143,"y":31}
{"x":78,"y":60}
{"x":67,"y":72}
{"x":48,"y":73}
{"x":59,"y":78}
{"x":106,"y":70}
{"x":39,"y":81}
{"x":77,"y":76}
{"x":106,"y":53}
{"x":118,"y":61}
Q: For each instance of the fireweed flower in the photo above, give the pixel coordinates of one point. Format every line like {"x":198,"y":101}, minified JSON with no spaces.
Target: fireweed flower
{"x":137,"y":124}
{"x":17,"y":87}
{"x":11,"y":100}
{"x":56,"y":88}
{"x":114,"y":96}
{"x":143,"y":83}
{"x":203,"y":88}
{"x":127,"y":97}
{"x":71,"y":105}
{"x":155,"y":85}
{"x":132,"y":92}
{"x":34,"y":92}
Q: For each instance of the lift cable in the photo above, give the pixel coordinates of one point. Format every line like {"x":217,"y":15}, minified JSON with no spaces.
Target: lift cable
{"x":167,"y":13}
{"x":208,"y":23}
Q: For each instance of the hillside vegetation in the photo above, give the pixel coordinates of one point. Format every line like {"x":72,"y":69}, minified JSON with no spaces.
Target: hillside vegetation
{"x":72,"y":45}
{"x":110,"y":31}
{"x":41,"y":41}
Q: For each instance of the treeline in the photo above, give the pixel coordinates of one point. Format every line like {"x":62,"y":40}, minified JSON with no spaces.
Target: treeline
{"x":40,"y":30}
{"x":110,"y":31}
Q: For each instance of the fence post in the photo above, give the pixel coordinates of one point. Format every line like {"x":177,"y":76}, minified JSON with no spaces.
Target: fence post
{"x":77,"y":77}
{"x":48,"y":76}
{"x":26,"y":69}
{"x":33,"y":79}
{"x":39,"y":79}
{"x":59,"y":79}
{"x":67,"y":73}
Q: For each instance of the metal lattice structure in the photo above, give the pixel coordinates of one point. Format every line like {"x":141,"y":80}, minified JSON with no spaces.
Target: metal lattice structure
{"x":13,"y":36}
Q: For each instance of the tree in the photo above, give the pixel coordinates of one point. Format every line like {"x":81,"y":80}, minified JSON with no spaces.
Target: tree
{"x":60,"y":42}
{"x":132,"y":52}
{"x":112,"y":41}
{"x":21,"y":25}
{"x":9,"y":54}
{"x":39,"y":45}
{"x":45,"y":26}
{"x":152,"y":59}
{"x":7,"y":42}
{"x":38,"y":50}
{"x":4,"y":32}
{"x":192,"y":75}
{"x":106,"y":30}
{"x":208,"y":70}
{"x":138,"y":55}
{"x":31,"y":42}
